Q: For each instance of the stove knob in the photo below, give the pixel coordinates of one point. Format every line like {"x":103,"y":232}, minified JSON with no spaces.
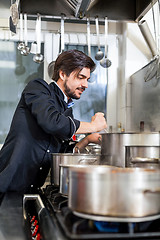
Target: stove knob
{"x":38,"y":237}
{"x":35,"y":232}
{"x":33,"y":225}
{"x":32,"y":219}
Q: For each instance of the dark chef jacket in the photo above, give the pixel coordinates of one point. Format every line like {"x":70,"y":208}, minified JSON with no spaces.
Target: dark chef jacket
{"x":42,"y":124}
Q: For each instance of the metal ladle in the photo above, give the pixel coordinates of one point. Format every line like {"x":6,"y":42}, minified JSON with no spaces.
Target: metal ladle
{"x":93,"y":76}
{"x":88,"y":37}
{"x":99,"y":55}
{"x":105,"y":62}
{"x":21,"y":44}
{"x":26,"y":50}
{"x":61,"y":47}
{"x":38,"y":57}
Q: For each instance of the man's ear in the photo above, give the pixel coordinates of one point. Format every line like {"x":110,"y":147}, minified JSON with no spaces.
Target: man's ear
{"x":62,"y":75}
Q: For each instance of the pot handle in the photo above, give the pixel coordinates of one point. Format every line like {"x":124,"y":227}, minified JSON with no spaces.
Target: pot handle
{"x":87,"y":150}
{"x":74,"y":149}
{"x":87,"y":161}
{"x":152,"y":191}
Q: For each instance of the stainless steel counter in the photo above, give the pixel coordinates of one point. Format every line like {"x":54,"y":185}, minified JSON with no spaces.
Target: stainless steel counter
{"x":11,"y":217}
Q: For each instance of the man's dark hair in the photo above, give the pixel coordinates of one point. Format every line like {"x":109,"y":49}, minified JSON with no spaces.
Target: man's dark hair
{"x":72,"y":60}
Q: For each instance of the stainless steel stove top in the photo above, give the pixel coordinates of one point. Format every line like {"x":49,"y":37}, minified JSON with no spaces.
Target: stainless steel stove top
{"x":57,"y":221}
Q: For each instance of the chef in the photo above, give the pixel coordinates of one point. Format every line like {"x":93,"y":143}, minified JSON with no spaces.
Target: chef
{"x":43,"y":123}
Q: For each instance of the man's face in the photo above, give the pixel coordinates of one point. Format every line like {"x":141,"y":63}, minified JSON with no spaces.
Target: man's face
{"x":76,"y":83}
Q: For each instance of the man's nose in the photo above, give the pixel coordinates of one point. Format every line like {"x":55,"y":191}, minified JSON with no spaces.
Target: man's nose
{"x":85,"y":83}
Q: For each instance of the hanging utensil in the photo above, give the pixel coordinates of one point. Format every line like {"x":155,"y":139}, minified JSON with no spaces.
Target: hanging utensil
{"x":62,"y":33}
{"x":88,"y":37}
{"x":93,"y":76}
{"x":14,"y":12}
{"x":156,"y":40}
{"x":13,"y":20}
{"x":99,"y":55}
{"x":143,"y":26}
{"x":26,"y":50}
{"x":154,"y":24}
{"x":38,"y":57}
{"x":158,"y":30}
{"x":51,"y":64}
{"x":21,"y":44}
{"x":61,"y":47}
{"x":105,"y":62}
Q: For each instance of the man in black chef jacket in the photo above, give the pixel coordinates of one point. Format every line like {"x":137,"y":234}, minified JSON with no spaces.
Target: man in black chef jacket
{"x":43,"y":123}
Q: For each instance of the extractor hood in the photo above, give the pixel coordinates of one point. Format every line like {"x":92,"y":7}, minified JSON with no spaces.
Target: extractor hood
{"x":119,"y":10}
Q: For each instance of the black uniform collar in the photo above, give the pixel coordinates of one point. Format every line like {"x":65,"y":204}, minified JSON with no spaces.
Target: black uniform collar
{"x":57,"y":89}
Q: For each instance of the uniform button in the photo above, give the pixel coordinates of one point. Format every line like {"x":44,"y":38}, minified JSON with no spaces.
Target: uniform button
{"x":31,"y":185}
{"x":48,"y":150}
{"x":62,"y":141}
{"x":40,"y":168}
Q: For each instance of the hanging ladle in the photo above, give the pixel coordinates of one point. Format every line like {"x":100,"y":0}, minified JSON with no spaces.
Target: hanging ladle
{"x":26,"y":50}
{"x":38,"y":57}
{"x":88,"y":37}
{"x":105,"y":62}
{"x":93,"y":77}
{"x":51,"y":64}
{"x":62,"y":32}
{"x":61,"y":47}
{"x":21,"y":44}
{"x":99,"y":55}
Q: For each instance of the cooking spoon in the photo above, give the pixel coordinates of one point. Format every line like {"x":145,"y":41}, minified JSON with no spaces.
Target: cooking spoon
{"x":25,"y":50}
{"x":105,"y":62}
{"x":88,"y":37}
{"x":21,"y":44}
{"x":38,"y":57}
{"x":61,"y":47}
{"x":99,"y":55}
{"x":62,"y":33}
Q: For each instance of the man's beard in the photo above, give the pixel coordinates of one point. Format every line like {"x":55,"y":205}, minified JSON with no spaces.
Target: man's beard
{"x":69,"y":92}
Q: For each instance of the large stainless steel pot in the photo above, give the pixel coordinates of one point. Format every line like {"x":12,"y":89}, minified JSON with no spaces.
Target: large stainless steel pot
{"x":115,"y":145}
{"x":70,"y":159}
{"x":64,"y":176}
{"x":118,"y":192}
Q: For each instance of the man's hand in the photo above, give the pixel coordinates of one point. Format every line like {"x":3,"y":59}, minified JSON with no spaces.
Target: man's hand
{"x":98,"y":121}
{"x":97,"y":124}
{"x":91,"y":138}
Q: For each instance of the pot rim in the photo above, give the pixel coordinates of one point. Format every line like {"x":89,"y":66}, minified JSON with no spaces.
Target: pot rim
{"x":75,"y":154}
{"x":100,"y":169}
{"x":85,"y":166}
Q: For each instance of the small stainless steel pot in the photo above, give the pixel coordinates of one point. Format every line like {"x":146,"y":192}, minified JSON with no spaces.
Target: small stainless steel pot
{"x":118,"y":192}
{"x":70,"y":159}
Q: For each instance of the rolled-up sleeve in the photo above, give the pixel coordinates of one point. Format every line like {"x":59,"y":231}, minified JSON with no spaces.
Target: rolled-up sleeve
{"x":44,"y":107}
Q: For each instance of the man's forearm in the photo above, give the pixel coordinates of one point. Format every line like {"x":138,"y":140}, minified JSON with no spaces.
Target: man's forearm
{"x":86,"y":127}
{"x":97,"y":123}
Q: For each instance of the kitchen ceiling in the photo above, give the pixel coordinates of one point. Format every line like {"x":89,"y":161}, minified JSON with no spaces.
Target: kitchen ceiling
{"x":119,"y":10}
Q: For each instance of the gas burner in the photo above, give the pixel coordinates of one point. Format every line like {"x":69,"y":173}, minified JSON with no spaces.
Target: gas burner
{"x":50,"y":190}
{"x":58,"y":201}
{"x":55,"y":199}
{"x":117,"y":219}
{"x":74,"y":225}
